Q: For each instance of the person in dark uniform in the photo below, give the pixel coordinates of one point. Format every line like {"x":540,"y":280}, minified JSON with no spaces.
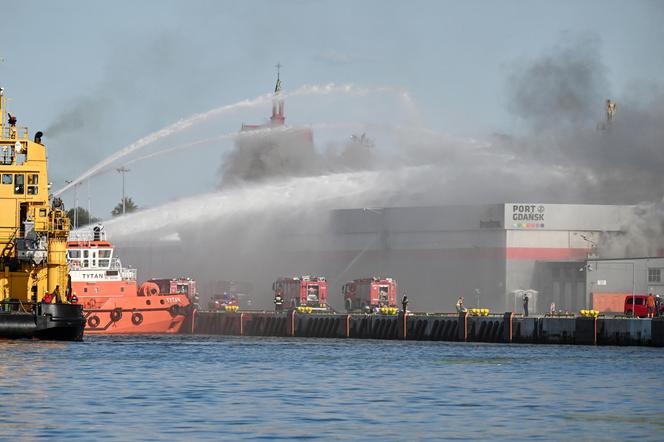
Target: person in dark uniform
{"x":278,"y":302}
{"x":525,"y":305}
{"x":404,"y":302}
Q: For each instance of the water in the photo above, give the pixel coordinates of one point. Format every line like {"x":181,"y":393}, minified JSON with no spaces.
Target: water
{"x":199,"y":387}
{"x":226,"y":206}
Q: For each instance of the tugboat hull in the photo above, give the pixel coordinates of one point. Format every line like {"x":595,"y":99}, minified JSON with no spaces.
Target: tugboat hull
{"x":53,"y":322}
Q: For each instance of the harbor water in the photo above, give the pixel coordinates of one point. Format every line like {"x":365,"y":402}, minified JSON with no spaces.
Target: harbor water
{"x":213,"y":387}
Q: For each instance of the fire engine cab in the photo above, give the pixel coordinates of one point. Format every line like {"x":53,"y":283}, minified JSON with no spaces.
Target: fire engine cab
{"x":370,"y":293}
{"x":186,"y":286}
{"x":299,"y":291}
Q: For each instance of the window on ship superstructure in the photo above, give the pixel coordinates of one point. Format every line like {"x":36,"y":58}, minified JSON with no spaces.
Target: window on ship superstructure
{"x":104,"y":257}
{"x":33,"y":181}
{"x":74,"y":258}
{"x":19,"y":184}
{"x":7,"y":178}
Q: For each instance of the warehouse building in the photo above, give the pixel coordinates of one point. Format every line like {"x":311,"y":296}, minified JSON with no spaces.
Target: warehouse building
{"x":490,"y":254}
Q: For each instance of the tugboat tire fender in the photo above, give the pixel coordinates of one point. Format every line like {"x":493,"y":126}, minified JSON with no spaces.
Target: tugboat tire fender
{"x":93,"y":321}
{"x":116,"y":314}
{"x":174,"y":309}
{"x":137,"y":318}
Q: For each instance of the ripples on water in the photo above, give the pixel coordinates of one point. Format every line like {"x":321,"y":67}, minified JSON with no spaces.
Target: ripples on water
{"x":203,"y":387}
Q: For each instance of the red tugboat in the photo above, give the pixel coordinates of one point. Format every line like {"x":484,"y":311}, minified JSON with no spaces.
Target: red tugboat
{"x":108,"y":292}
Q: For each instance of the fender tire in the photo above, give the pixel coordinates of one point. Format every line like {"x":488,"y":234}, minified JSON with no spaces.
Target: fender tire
{"x":94,"y":321}
{"x":137,"y":318}
{"x":116,"y":314}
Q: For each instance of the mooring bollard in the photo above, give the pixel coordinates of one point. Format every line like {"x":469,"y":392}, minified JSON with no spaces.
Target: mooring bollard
{"x":463,"y":327}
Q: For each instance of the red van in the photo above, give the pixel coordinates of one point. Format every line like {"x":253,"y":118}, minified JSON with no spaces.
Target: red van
{"x":637,"y":303}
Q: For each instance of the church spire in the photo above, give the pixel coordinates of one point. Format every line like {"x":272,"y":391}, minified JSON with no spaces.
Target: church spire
{"x":278,"y":117}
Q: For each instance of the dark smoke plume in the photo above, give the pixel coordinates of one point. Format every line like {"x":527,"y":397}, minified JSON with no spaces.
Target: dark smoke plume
{"x":290,"y":152}
{"x":563,"y":88}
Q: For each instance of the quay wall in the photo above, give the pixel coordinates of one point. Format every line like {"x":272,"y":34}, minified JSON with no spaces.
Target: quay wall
{"x":498,"y":328}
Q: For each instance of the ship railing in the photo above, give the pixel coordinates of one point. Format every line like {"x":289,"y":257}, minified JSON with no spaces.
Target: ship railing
{"x":124,"y":272}
{"x":16,"y":305}
{"x":86,"y":235}
{"x":128,"y":274}
{"x":15,"y":133}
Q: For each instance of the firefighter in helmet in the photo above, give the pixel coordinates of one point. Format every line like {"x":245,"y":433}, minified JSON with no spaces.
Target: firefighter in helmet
{"x":278,"y":302}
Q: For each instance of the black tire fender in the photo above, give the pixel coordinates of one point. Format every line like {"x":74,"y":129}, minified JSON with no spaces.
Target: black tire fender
{"x":137,"y":318}
{"x":116,"y":314}
{"x":93,"y":321}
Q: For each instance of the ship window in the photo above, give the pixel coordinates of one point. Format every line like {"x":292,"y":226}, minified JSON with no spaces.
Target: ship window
{"x":6,"y":178}
{"x":33,"y":190}
{"x":85,"y":253}
{"x":182,"y":288}
{"x":104,"y":253}
{"x":85,"y":263}
{"x":104,"y":263}
{"x":33,"y":178}
{"x":85,"y":289}
{"x":121,"y":289}
{"x":19,"y":184}
{"x":42,"y":212}
{"x":74,"y":253}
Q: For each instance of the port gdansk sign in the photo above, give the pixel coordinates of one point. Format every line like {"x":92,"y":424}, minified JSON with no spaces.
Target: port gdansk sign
{"x":525,"y":216}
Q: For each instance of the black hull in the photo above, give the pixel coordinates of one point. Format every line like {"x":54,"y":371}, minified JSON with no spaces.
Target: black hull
{"x":53,"y":322}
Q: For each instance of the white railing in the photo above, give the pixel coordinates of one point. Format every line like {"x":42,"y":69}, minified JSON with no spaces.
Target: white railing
{"x":86,"y":234}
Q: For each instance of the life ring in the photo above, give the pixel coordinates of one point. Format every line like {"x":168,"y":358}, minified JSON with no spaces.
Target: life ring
{"x":136,"y":319}
{"x":174,"y":309}
{"x":116,"y":314}
{"x":93,"y":321}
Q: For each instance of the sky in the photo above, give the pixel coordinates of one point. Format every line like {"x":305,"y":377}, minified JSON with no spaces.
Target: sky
{"x":102,"y":75}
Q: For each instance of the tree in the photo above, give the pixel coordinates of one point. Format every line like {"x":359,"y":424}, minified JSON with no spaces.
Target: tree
{"x":130,"y":206}
{"x":82,"y":215}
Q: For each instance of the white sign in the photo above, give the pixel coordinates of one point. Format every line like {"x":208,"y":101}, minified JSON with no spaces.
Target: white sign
{"x":601,"y":282}
{"x":525,"y":216}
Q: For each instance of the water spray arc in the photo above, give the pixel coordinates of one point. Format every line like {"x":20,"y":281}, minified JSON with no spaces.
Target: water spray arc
{"x":307,"y":90}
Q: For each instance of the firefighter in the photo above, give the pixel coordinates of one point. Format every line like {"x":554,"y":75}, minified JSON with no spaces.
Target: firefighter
{"x":459,"y":305}
{"x":525,"y":305}
{"x":404,"y":302}
{"x":278,"y":302}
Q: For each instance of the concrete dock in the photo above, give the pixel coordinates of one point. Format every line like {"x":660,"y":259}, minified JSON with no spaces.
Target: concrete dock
{"x":503,"y":328}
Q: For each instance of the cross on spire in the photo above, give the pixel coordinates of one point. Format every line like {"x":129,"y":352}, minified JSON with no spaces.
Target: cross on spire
{"x":277,"y":87}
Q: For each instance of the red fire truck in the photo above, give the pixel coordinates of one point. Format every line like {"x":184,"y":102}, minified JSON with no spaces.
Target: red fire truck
{"x":370,"y":293}
{"x":185,"y":286}
{"x":308,"y":291}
